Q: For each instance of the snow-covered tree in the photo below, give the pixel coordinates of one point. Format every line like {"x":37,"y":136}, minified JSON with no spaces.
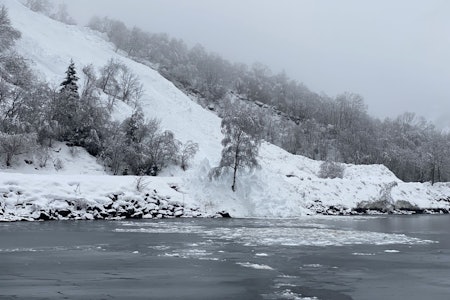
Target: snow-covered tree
{"x":12,"y":145}
{"x":187,"y":152}
{"x":240,"y":143}
{"x":66,"y":108}
{"x":161,"y":149}
{"x":331,"y":169}
{"x":108,"y":81}
{"x":118,"y":34}
{"x":114,"y":152}
{"x":41,"y":6}
{"x":69,"y":84}
{"x":8,"y":35}
{"x":134,"y":127}
{"x":62,"y":15}
{"x":130,"y":86}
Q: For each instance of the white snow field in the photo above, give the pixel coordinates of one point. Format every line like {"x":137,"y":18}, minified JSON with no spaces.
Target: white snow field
{"x":285,"y":186}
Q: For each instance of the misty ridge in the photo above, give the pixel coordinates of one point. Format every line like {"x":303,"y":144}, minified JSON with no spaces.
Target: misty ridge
{"x":283,"y":111}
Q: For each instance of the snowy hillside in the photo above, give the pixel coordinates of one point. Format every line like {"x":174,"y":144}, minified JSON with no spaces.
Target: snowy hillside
{"x":285,"y":186}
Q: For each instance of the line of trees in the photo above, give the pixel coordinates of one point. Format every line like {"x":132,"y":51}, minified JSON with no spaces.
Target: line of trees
{"x":46,"y":7}
{"x":293,"y":117}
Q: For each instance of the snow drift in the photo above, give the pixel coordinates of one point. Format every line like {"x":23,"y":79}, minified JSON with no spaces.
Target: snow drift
{"x":285,"y":186}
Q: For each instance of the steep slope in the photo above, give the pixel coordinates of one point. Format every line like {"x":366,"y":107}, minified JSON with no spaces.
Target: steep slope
{"x":51,"y":45}
{"x":285,"y":186}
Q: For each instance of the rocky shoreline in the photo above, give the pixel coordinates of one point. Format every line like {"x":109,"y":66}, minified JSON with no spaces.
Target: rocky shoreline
{"x":382,"y":207}
{"x":153,"y":206}
{"x":119,"y":206}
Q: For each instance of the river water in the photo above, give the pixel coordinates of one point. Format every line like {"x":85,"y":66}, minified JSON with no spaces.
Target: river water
{"x":387,"y":257}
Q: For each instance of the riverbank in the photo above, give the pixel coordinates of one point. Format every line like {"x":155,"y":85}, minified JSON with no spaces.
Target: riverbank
{"x":27,"y":197}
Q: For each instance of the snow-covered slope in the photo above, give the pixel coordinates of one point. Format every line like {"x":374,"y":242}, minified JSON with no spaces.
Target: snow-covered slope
{"x":51,"y":45}
{"x":285,"y":186}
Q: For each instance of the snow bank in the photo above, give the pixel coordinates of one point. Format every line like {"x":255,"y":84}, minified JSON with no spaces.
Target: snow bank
{"x":63,"y":197}
{"x":284,"y":186}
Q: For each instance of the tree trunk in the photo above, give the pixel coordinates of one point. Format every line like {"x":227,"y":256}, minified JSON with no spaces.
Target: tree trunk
{"x":233,"y":187}
{"x":236,"y":161}
{"x":432,"y":174}
{"x":235,"y":168}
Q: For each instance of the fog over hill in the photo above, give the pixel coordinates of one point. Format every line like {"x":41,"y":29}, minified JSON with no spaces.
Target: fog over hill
{"x":393,"y":54}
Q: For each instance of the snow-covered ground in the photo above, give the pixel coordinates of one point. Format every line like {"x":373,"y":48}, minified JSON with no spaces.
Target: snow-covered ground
{"x":285,"y":186}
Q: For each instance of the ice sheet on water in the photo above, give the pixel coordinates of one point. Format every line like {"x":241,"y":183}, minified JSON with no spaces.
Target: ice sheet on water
{"x":310,"y":237}
{"x":19,"y":250}
{"x":280,"y":234}
{"x":254,"y":266}
{"x":313,"y":266}
{"x":161,"y":229}
{"x":362,"y":254}
{"x":160,"y":247}
{"x":191,"y":254}
{"x":54,"y":248}
{"x":288,"y":294}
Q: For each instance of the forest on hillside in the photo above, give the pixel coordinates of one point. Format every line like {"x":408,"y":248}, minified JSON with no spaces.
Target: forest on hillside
{"x":293,"y":117}
{"x":34,"y":114}
{"x":290,"y":115}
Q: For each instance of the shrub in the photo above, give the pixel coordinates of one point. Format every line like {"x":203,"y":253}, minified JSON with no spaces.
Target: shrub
{"x":12,"y":145}
{"x":331,"y":169}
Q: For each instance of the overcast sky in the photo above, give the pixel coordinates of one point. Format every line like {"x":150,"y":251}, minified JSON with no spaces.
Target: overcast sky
{"x":396,"y":54}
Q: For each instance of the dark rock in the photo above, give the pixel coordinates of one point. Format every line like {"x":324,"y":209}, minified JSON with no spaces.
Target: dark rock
{"x":63,"y":213}
{"x":405,"y":205}
{"x":360,"y":210}
{"x":112,"y":213}
{"x":98,"y":216}
{"x":114,"y":197}
{"x":224,"y":214}
{"x":44,"y":216}
{"x":109,"y":206}
{"x":380,"y":205}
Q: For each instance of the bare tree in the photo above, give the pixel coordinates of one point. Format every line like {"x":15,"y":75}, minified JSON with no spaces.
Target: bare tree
{"x":108,"y":77}
{"x":240,"y":143}
{"x":188,"y":151}
{"x":12,"y":145}
{"x":90,"y":79}
{"x":130,"y":87}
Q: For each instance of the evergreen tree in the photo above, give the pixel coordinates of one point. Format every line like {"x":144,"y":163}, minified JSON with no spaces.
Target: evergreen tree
{"x":134,"y":127}
{"x":66,"y":108}
{"x":69,"y":84}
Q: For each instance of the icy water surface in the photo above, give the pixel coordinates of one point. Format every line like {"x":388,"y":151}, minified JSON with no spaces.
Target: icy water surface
{"x":394,"y":257}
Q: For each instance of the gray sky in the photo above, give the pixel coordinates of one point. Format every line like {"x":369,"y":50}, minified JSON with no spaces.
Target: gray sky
{"x":396,"y":54}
